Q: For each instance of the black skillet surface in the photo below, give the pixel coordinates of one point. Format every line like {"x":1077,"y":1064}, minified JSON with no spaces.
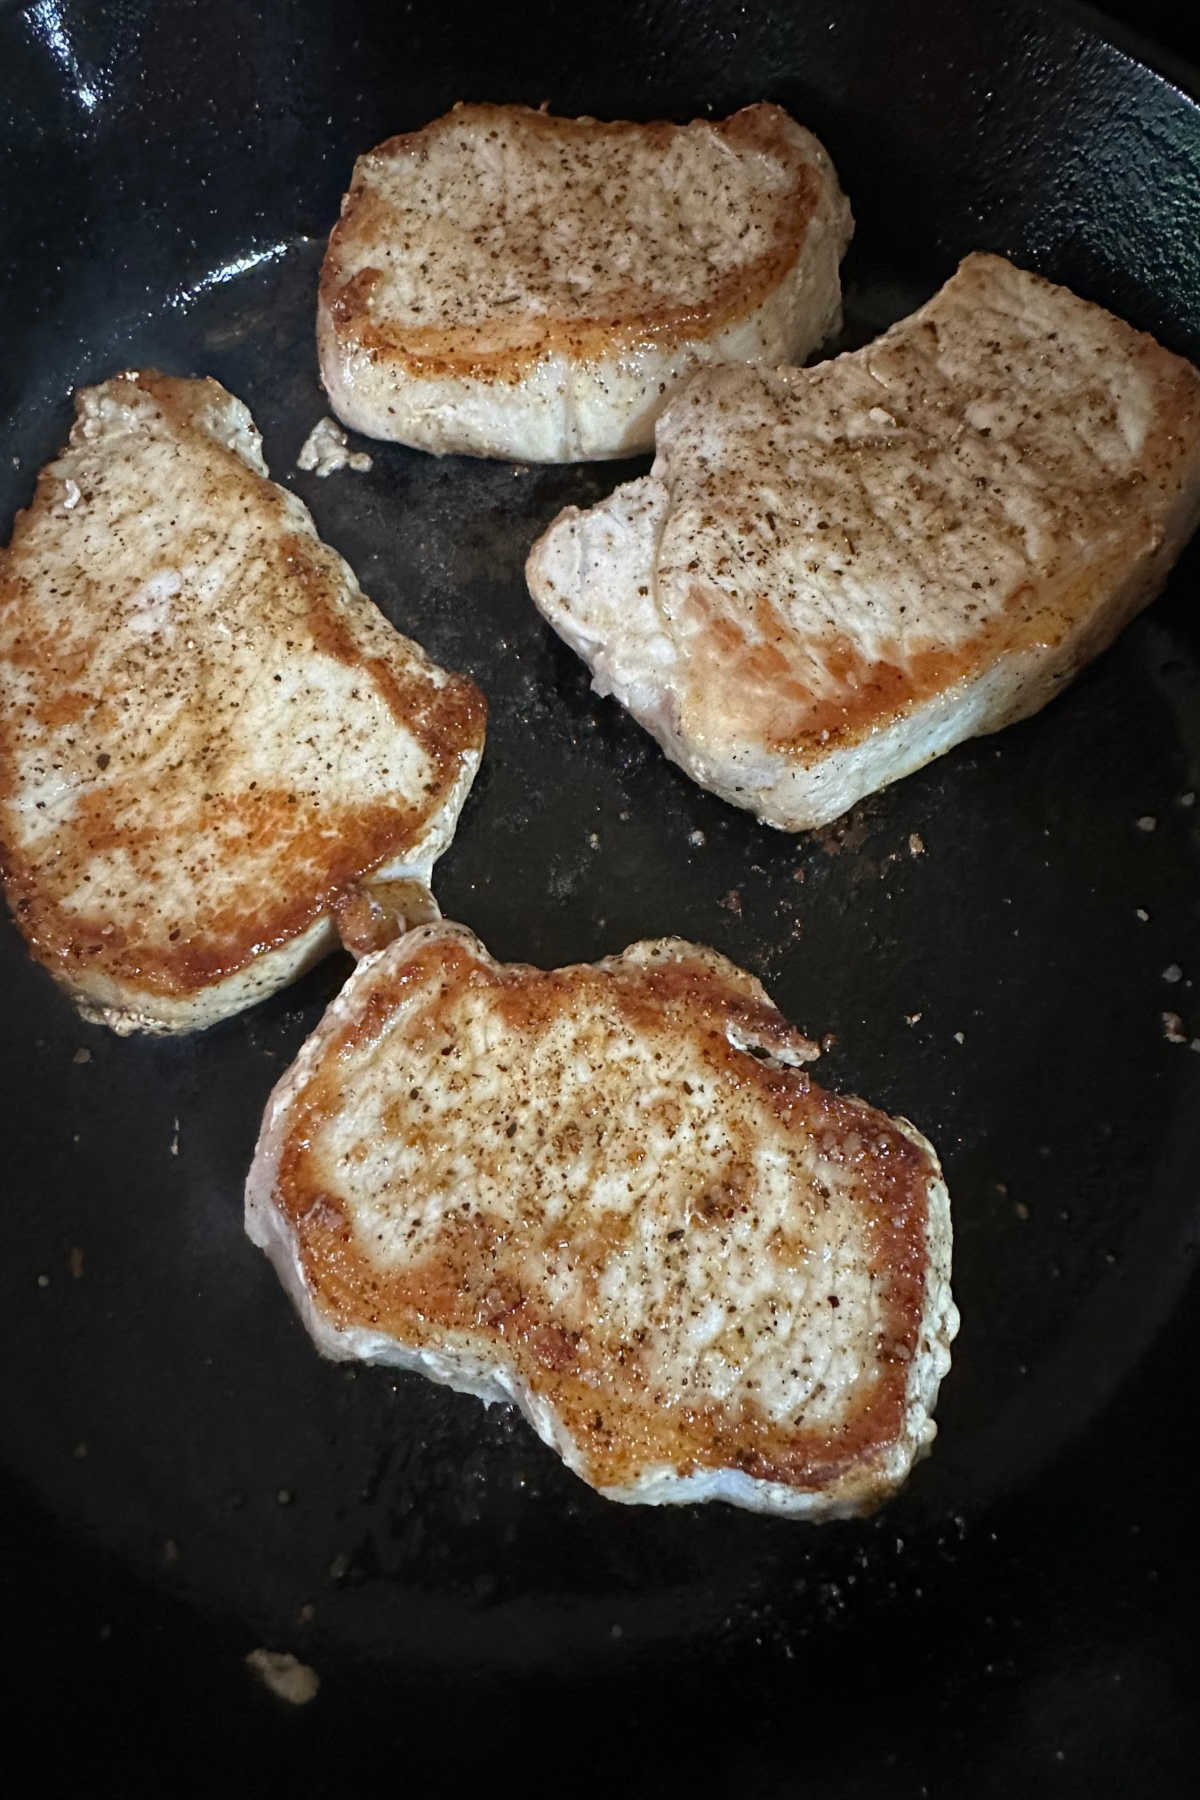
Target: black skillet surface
{"x":183,"y":1479}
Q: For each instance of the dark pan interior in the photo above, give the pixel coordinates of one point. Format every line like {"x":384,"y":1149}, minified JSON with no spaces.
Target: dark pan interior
{"x":181,"y":1478}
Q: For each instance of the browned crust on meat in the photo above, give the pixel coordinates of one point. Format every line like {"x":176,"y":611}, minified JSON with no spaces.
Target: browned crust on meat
{"x":622,"y":320}
{"x":755,"y":669}
{"x":621,"y":1424}
{"x":323,"y":847}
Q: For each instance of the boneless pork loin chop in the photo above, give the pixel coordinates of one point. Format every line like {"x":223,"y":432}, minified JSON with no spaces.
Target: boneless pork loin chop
{"x":508,"y":283}
{"x":613,"y":1195}
{"x":832,"y":575}
{"x":214,"y":751}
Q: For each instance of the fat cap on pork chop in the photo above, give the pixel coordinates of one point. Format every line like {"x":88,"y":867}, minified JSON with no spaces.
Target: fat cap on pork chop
{"x":507,"y":283}
{"x":612,"y":1194}
{"x":832,"y":575}
{"x":214,"y":751}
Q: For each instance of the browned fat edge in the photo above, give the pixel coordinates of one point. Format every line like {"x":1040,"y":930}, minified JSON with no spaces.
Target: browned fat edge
{"x":621,"y":1425}
{"x":432,"y":352}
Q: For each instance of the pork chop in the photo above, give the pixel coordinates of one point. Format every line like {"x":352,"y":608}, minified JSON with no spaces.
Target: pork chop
{"x":511,"y":284}
{"x":213,"y":748}
{"x":613,"y":1195}
{"x":832,"y":575}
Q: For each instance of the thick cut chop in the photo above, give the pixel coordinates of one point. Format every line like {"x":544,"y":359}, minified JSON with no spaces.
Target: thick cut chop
{"x":510,"y":284}
{"x":832,"y":575}
{"x":611,"y":1194}
{"x":214,"y":752}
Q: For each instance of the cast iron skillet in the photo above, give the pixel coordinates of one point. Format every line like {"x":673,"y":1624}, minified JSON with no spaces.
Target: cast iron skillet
{"x":183,"y":1478}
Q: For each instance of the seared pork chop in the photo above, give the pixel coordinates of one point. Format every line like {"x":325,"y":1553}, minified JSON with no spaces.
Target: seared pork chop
{"x":511,"y":284}
{"x":832,"y":575}
{"x":212,"y":746}
{"x":612,"y":1195}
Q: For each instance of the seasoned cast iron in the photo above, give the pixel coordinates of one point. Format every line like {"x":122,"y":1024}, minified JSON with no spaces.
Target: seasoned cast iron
{"x":183,"y":1479}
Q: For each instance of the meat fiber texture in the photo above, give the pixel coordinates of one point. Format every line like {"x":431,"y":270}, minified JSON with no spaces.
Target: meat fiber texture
{"x":215,"y":754}
{"x":511,"y":284}
{"x":613,"y":1195}
{"x":832,"y":575}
